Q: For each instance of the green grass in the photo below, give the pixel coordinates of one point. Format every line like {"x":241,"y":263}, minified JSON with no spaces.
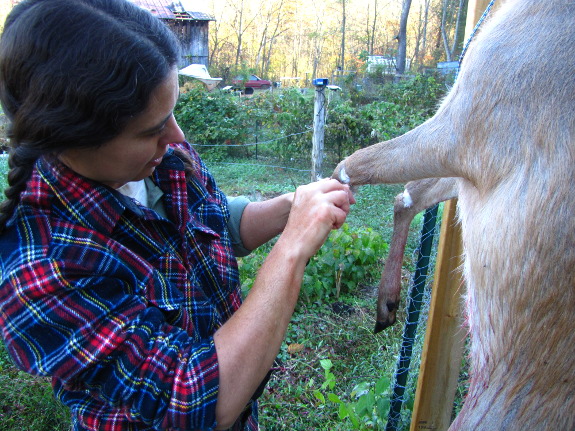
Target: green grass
{"x":340,"y":330}
{"x":27,"y":402}
{"x":3,"y":176}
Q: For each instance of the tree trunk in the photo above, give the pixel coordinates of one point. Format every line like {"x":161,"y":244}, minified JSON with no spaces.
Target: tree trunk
{"x":239,"y":32}
{"x":460,"y":27}
{"x":402,"y":38}
{"x":420,"y":57}
{"x":342,"y":61}
{"x":444,"y":37}
{"x":447,"y":15}
{"x":318,"y":40}
{"x":368,"y":32}
{"x":373,"y":26}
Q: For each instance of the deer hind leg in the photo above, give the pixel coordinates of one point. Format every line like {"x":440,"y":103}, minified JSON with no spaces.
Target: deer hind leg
{"x":417,"y":196}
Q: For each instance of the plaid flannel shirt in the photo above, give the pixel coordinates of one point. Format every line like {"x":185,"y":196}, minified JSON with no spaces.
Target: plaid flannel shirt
{"x":118,"y":304}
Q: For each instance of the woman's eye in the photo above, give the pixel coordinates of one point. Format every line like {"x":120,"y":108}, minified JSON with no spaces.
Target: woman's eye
{"x":157,"y":132}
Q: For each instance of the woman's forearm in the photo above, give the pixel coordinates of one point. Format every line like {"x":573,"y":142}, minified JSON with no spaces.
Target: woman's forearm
{"x":262,"y":221}
{"x":250,"y":341}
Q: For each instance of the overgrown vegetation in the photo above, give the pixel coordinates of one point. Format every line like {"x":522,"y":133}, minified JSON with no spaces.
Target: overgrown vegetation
{"x":333,"y":373}
{"x":224,"y":125}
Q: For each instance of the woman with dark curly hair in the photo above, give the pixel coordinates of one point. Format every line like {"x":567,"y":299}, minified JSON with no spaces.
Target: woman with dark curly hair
{"x":117,"y":270}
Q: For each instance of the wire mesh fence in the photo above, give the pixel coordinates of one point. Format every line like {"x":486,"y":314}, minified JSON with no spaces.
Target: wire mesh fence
{"x":417,"y":308}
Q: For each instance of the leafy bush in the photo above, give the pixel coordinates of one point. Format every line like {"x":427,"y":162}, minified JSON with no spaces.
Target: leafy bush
{"x":211,"y":119}
{"x":389,"y":120}
{"x":398,"y":108}
{"x":348,"y":259}
{"x":348,"y":129}
{"x":292,"y":119}
{"x":224,"y":122}
{"x":418,"y":95}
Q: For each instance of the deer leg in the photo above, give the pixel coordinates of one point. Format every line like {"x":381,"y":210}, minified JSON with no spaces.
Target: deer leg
{"x":417,"y":196}
{"x":424,"y":152}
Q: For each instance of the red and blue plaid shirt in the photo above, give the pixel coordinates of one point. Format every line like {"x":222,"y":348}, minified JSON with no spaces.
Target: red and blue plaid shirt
{"x":118,"y":304}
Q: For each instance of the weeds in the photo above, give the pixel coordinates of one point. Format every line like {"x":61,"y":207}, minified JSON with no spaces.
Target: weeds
{"x":334,"y":379}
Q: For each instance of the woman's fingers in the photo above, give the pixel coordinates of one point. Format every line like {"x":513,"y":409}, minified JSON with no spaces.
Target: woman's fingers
{"x":317,"y":209}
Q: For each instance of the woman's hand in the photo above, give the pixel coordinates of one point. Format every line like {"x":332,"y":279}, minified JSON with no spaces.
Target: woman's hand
{"x":261,"y":221}
{"x":317,"y":208}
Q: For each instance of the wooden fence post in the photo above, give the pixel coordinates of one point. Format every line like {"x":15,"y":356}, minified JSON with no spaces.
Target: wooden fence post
{"x":444,"y":338}
{"x":319,"y":113}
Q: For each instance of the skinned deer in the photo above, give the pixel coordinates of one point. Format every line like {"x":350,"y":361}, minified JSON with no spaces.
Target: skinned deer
{"x":417,"y":196}
{"x":506,"y":131}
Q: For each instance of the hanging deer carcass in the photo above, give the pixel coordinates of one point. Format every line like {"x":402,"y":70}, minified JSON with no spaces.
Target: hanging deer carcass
{"x":506,"y":131}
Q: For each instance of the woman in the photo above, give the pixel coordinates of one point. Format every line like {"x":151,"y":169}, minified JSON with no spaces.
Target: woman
{"x":117,"y":272}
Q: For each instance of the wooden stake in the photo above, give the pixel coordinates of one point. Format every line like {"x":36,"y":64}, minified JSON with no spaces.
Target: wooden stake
{"x":319,"y":109}
{"x":444,"y":338}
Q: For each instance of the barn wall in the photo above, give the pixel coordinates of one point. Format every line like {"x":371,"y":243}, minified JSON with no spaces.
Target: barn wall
{"x":193,"y":36}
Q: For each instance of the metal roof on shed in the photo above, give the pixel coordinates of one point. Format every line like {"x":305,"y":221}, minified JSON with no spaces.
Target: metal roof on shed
{"x":172,"y":9}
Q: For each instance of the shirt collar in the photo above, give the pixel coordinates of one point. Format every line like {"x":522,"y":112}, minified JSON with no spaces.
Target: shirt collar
{"x":93,"y":204}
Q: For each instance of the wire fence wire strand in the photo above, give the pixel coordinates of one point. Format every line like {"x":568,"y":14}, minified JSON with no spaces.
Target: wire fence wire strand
{"x":263,"y":166}
{"x":269,"y":141}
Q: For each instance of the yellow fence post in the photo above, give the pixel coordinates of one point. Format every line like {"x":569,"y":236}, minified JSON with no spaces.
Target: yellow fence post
{"x":444,"y":338}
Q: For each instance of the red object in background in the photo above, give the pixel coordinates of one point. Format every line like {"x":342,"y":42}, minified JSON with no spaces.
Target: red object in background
{"x":253,"y":81}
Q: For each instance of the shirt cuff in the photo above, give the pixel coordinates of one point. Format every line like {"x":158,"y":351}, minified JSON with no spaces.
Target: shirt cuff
{"x":237,"y":206}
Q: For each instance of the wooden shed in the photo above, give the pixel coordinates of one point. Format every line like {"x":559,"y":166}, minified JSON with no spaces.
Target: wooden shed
{"x":190,"y":26}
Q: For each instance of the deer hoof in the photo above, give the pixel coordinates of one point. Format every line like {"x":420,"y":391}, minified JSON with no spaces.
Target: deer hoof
{"x":386,"y":319}
{"x":380,"y":326}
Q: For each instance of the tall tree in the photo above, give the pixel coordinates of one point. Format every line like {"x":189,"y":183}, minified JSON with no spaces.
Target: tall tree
{"x":217,"y":39}
{"x":317,"y":38}
{"x":342,"y":49}
{"x":272,"y":28}
{"x":452,"y":20}
{"x":241,"y":24}
{"x":402,"y":38}
{"x":373,"y":26}
{"x":421,"y":38}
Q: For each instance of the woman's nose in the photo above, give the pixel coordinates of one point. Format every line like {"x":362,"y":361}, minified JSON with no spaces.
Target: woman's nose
{"x":174,"y":133}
